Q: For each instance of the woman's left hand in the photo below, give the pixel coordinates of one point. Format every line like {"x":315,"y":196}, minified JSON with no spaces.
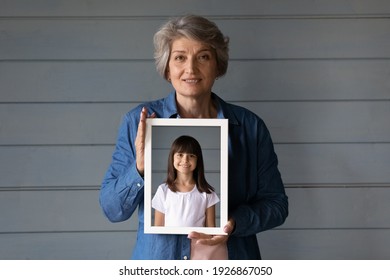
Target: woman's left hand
{"x":212,"y":240}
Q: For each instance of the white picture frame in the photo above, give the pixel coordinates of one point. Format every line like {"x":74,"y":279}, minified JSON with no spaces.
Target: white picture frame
{"x":160,"y":131}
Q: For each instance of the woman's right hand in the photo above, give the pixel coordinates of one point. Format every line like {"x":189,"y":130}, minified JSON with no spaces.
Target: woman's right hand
{"x":140,"y":140}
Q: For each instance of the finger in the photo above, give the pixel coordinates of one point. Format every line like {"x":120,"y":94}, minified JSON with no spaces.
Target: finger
{"x":215,"y":240}
{"x":229,"y":227}
{"x":142,"y":123}
{"x":140,"y":141}
{"x":205,"y":239}
{"x":140,"y":138}
{"x":198,"y":235}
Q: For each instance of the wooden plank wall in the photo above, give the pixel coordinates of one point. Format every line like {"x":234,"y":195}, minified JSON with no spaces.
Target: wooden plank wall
{"x":317,"y":72}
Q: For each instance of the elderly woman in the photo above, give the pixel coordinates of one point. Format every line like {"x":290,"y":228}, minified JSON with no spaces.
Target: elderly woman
{"x":191,"y":53}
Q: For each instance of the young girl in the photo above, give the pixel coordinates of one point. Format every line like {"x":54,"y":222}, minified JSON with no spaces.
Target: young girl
{"x":185,"y":199}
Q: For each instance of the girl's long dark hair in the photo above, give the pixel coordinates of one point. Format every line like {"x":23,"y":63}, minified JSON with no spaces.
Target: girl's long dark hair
{"x":187,"y":144}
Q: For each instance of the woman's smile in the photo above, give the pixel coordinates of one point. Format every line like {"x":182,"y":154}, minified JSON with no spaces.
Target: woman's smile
{"x":192,"y":68}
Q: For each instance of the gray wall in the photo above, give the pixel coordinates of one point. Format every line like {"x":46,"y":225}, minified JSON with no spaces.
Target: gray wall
{"x":317,"y":72}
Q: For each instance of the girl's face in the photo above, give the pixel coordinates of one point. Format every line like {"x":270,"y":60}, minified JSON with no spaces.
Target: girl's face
{"x":184,"y":162}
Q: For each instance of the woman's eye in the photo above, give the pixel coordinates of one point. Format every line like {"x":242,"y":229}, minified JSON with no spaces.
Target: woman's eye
{"x":179,"y":58}
{"x":204,"y":57}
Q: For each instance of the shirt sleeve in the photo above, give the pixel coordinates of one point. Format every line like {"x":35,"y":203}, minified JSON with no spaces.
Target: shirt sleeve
{"x":158,"y":200}
{"x":212,"y":199}
{"x":122,"y":187}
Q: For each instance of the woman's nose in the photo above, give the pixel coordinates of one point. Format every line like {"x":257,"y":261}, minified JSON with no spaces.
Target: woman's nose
{"x":191,"y":66}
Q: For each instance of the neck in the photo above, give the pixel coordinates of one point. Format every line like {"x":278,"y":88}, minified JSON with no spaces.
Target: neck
{"x":184,"y":183}
{"x":196,"y":107}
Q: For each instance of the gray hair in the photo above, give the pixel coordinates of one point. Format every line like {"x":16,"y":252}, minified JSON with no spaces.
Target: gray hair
{"x":193,"y":27}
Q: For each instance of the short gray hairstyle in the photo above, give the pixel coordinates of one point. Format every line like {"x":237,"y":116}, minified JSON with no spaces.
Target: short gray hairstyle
{"x":193,"y":27}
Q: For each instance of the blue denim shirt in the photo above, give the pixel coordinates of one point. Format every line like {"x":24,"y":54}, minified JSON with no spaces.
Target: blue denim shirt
{"x":256,"y":195}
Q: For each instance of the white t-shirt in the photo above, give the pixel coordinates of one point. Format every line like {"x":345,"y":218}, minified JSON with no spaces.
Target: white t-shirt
{"x":183,"y":209}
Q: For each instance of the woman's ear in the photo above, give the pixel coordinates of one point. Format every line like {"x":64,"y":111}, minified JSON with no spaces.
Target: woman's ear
{"x":168,"y":75}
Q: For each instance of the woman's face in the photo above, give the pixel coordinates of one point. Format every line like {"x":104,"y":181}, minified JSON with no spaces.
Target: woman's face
{"x":192,"y":68}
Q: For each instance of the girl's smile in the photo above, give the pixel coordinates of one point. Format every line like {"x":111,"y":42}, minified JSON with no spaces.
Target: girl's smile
{"x":184,"y":162}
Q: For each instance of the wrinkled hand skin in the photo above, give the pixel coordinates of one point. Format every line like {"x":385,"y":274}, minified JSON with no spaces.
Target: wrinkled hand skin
{"x":140,"y":140}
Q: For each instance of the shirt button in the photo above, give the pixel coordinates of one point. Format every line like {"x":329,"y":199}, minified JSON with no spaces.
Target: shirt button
{"x":139,"y":185}
{"x":185,"y":258}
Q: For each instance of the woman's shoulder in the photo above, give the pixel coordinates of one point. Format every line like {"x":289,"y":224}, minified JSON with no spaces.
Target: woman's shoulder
{"x":239,"y":113}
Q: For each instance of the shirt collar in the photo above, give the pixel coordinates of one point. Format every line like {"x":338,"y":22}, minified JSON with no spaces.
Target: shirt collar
{"x":223,"y":110}
{"x":170,"y":109}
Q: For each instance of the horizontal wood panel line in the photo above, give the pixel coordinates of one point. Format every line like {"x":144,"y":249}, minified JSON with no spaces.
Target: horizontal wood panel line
{"x":331,"y":143}
{"x":52,"y":188}
{"x":241,"y":102}
{"x":113,"y":144}
{"x":330,"y":100}
{"x":134,"y":231}
{"x":59,"y":145}
{"x":333,"y":229}
{"x":126,"y":60}
{"x":71,"y":60}
{"x":227,"y":100}
{"x":211,"y":17}
{"x":70,"y":231}
{"x":309,"y":100}
{"x":337,"y":186}
{"x":287,"y":186}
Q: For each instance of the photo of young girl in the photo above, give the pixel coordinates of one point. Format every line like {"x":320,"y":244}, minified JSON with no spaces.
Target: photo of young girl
{"x":185,"y":199}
